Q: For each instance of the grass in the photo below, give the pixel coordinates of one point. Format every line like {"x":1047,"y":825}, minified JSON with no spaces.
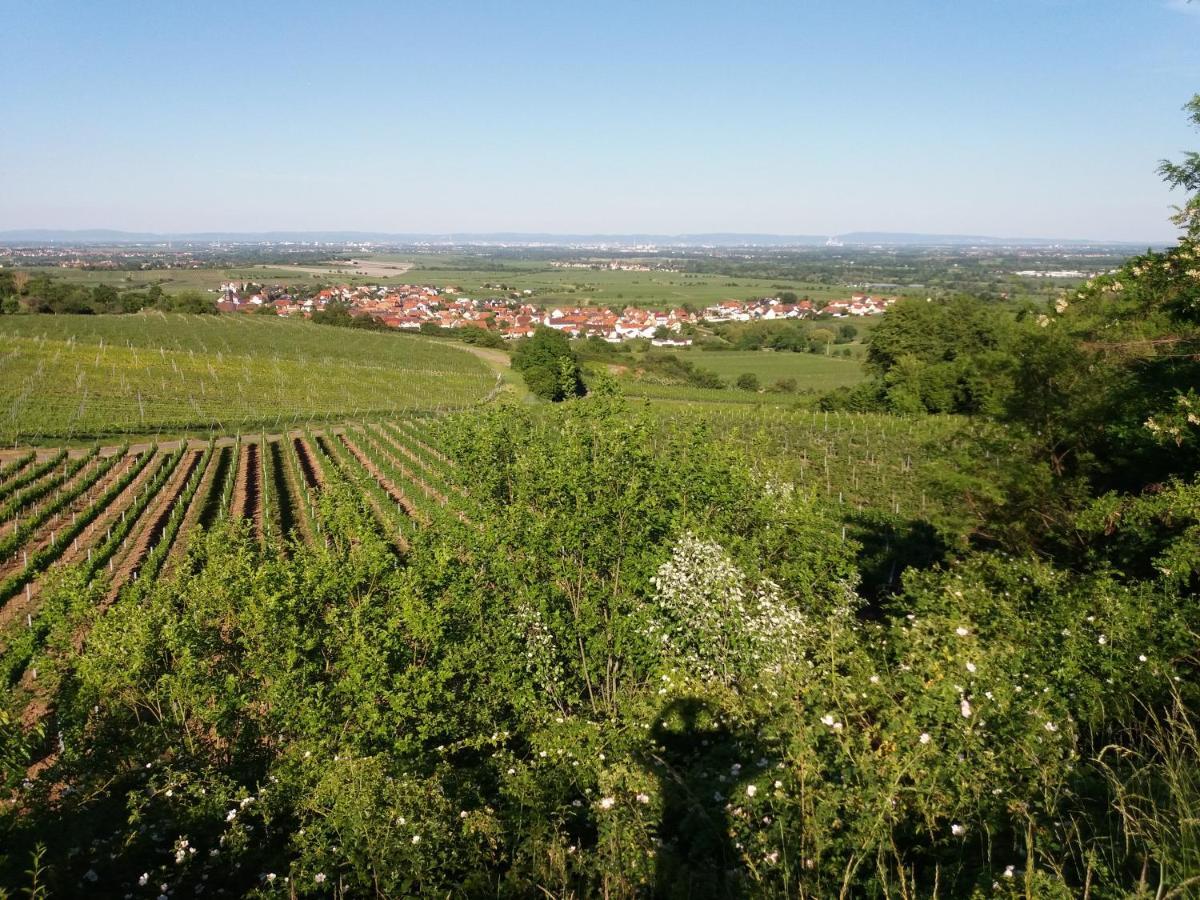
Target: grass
{"x":83,"y":377}
{"x":811,"y":371}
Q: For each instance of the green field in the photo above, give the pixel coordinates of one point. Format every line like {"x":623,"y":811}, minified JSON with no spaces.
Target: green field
{"x":79,"y":377}
{"x":811,"y":371}
{"x":583,"y":287}
{"x":577,"y":287}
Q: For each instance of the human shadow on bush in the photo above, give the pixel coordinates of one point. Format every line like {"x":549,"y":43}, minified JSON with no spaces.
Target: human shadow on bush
{"x":700,"y":764}
{"x":889,"y":545}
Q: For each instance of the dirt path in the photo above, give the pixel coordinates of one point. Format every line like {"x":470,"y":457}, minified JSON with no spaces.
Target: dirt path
{"x":247,"y":489}
{"x":314,"y":477}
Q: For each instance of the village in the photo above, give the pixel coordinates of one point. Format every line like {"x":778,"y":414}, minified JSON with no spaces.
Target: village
{"x":411,"y":307}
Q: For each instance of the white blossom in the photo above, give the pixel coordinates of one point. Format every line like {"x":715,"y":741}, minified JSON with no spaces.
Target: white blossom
{"x":717,"y":621}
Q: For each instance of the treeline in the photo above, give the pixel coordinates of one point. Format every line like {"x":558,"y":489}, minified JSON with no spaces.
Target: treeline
{"x":22,"y":293}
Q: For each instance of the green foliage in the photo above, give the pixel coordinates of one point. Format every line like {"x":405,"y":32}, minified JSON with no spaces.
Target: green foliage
{"x":1186,"y":175}
{"x":747,"y":381}
{"x":722,"y":651}
{"x":42,"y":293}
{"x":548,"y":365}
{"x":338,"y":314}
{"x":941,"y":356}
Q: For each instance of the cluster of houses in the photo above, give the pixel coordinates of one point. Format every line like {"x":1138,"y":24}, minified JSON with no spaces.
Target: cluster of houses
{"x":412,"y":306}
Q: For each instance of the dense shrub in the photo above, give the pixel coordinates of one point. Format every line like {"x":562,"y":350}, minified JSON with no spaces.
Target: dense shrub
{"x":549,"y":367}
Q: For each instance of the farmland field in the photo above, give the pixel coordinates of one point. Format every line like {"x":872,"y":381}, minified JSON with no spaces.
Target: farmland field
{"x":550,"y":285}
{"x":604,"y":287}
{"x":82,"y":377}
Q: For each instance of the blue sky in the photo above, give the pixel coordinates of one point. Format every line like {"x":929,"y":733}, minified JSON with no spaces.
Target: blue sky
{"x":1038,"y":118}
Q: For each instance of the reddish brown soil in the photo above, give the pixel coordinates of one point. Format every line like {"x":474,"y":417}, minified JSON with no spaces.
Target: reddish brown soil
{"x":313,"y":476}
{"x":247,"y":489}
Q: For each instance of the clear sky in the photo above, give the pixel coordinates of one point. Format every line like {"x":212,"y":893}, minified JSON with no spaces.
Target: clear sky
{"x":1018,"y":118}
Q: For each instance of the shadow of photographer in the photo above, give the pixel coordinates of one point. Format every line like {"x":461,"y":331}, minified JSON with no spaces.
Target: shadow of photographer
{"x":700,"y":764}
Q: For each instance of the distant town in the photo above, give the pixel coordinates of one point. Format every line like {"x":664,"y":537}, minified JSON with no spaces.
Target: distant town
{"x":410,"y":307}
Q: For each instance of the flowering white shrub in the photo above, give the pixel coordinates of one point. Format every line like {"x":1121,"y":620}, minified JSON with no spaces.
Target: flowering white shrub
{"x":717,"y":624}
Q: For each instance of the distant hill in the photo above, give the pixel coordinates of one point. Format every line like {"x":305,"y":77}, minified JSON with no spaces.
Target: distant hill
{"x":719,"y":239}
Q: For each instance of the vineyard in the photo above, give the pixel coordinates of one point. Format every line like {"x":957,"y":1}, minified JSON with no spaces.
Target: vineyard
{"x":83,"y":378}
{"x":127,"y":514}
{"x":122,"y":517}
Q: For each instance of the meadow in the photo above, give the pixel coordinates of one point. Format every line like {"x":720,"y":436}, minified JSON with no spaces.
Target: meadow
{"x":84,"y":377}
{"x":812,"y":371}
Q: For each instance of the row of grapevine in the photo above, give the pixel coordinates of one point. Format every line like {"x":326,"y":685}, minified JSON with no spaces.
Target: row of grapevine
{"x":172,"y":516}
{"x":41,"y":560}
{"x":429,"y":504}
{"x":392,"y":519}
{"x":115,"y":542}
{"x":15,"y":465}
{"x":432,"y":467}
{"x":33,"y":474}
{"x":27,"y":527}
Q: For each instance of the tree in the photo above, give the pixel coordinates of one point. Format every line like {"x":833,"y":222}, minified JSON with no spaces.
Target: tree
{"x":1186,"y":175}
{"x":822,"y":338}
{"x":549,"y":367}
{"x":747,"y":381}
